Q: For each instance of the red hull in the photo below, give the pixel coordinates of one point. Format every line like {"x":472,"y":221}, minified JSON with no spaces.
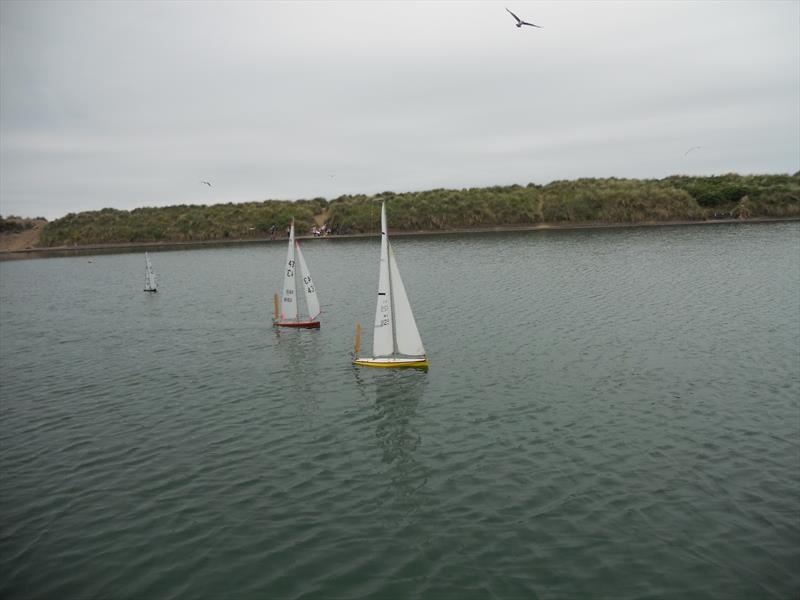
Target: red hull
{"x":297,"y":324}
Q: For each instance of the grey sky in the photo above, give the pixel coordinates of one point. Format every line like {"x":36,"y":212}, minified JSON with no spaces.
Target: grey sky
{"x":107,"y":104}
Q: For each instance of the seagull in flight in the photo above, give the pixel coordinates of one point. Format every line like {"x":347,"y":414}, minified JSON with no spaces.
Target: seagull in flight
{"x":520,"y":22}
{"x":692,"y":148}
{"x":207,"y":183}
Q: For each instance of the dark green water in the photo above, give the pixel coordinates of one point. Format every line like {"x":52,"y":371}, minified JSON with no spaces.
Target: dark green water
{"x":608,"y":414}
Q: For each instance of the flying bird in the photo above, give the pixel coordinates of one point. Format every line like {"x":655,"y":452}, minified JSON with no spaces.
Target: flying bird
{"x":692,"y":148}
{"x":520,"y":22}
{"x":207,"y":183}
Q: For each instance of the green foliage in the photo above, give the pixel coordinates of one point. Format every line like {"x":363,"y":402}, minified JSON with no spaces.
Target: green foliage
{"x":611,"y":200}
{"x":180,"y":223}
{"x":725,"y":191}
{"x":616,"y":201}
{"x":438,"y":209}
{"x":15,"y":224}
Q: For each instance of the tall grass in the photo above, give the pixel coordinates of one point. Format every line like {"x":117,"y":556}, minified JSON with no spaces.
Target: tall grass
{"x":611,"y":200}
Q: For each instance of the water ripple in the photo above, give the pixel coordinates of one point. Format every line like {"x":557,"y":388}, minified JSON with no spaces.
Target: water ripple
{"x":607,"y":414}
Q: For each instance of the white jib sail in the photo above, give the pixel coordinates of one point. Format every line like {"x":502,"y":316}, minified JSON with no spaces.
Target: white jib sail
{"x":312,"y":302}
{"x":289,"y":297}
{"x":382,"y":336}
{"x":405,"y":327}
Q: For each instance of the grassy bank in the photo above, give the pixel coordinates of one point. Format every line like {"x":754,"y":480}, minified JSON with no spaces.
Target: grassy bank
{"x":607,"y":201}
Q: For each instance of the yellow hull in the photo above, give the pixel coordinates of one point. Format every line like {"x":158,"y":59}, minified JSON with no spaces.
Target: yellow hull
{"x":392,"y":363}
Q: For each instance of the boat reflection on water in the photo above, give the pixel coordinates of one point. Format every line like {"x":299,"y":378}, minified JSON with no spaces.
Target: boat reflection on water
{"x":395,"y":396}
{"x":294,"y":355}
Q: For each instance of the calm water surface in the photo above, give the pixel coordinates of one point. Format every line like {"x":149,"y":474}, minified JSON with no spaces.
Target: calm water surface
{"x":608,"y":414}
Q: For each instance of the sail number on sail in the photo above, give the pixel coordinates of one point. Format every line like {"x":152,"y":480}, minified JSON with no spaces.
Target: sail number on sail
{"x":385,"y":308}
{"x":288,"y":293}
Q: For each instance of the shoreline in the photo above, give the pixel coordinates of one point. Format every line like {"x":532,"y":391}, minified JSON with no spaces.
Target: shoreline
{"x":123,"y":247}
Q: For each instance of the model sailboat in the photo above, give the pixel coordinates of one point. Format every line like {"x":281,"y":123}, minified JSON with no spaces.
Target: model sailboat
{"x":287,"y":312}
{"x":395,"y":338}
{"x":149,"y":276}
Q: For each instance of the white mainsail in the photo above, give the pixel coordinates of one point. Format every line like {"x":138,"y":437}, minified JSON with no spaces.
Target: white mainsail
{"x":289,"y":297}
{"x":383,"y":334}
{"x":312,"y":302}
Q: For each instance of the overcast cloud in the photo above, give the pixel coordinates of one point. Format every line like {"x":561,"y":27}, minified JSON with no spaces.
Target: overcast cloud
{"x":106,"y":104}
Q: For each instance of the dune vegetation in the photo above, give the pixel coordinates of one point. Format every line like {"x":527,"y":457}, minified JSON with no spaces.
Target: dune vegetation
{"x":582,"y":201}
{"x":14,"y":224}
